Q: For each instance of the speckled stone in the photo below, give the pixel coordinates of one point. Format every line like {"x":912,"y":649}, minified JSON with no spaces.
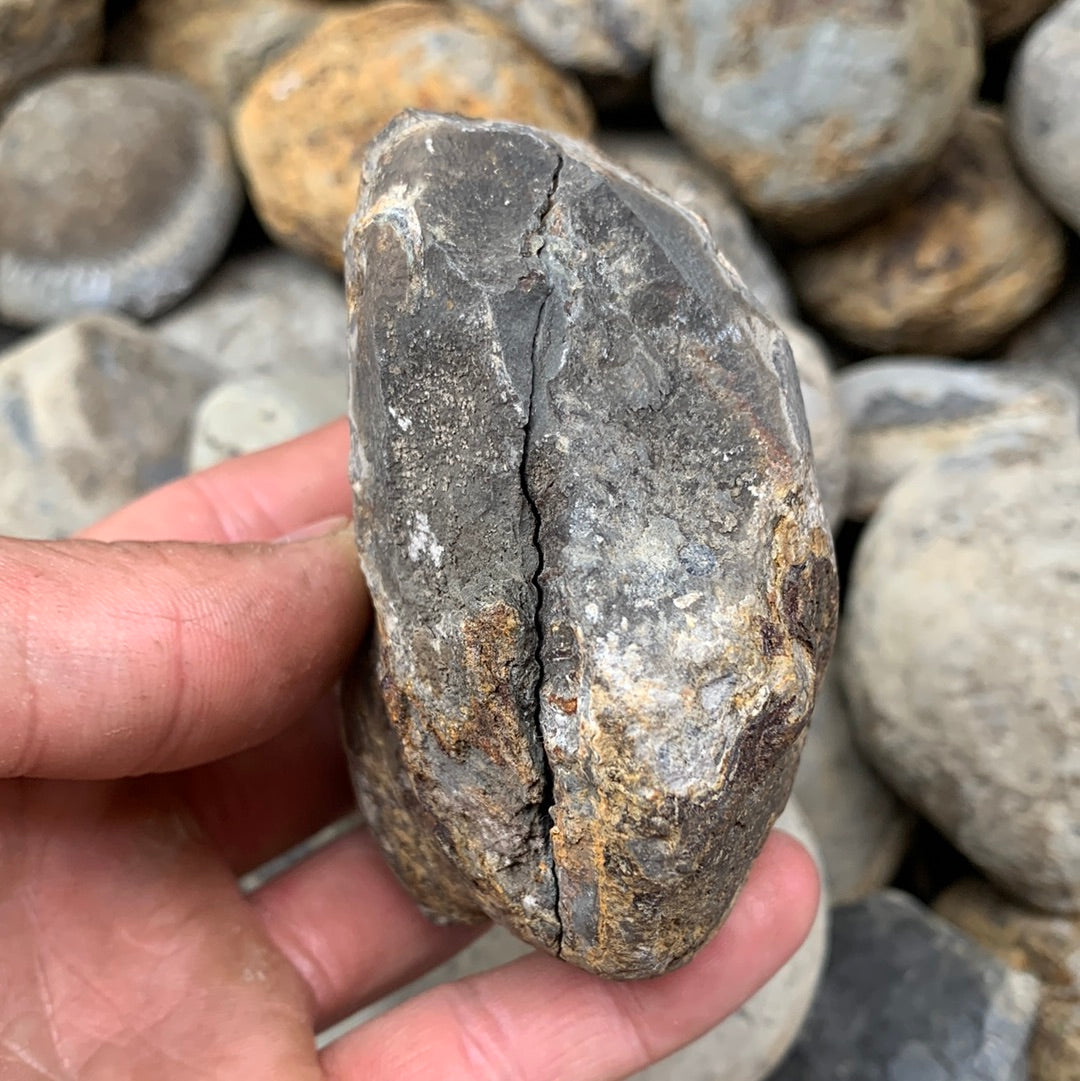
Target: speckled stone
{"x":820,"y":114}
{"x":220,"y":46}
{"x":583,"y":484}
{"x":1003,"y":18}
{"x":658,"y":159}
{"x":1044,"y":122}
{"x":301,"y":128}
{"x":862,"y":829}
{"x":38,"y":37}
{"x":906,"y":997}
{"x":905,"y":411}
{"x":246,"y":415}
{"x":949,"y":272}
{"x":961,"y":655}
{"x":748,"y":1043}
{"x":93,"y":413}
{"x":1050,"y":342}
{"x":825,"y":417}
{"x":119,"y":192}
{"x":267,"y":313}
{"x":1046,"y":946}
{"x":601,"y":37}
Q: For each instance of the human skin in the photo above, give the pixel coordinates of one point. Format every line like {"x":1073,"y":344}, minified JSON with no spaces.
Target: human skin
{"x":168,"y":722}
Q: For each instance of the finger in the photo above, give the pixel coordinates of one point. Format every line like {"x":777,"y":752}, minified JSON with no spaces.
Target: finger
{"x":122,"y":659}
{"x":256,"y":497}
{"x":258,"y":803}
{"x":350,"y":929}
{"x":540,"y":1020}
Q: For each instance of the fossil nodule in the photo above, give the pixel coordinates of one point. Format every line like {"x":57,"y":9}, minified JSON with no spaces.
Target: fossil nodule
{"x":604,"y":587}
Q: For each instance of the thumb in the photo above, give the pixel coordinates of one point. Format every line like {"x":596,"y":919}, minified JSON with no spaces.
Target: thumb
{"x":128,"y":658}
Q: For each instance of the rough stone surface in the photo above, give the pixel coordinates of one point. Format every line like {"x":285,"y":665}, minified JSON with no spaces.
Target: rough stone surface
{"x":1003,"y":18}
{"x":118,"y":191}
{"x":1044,"y":123}
{"x":586,"y":511}
{"x":92,"y":413}
{"x":905,"y":411}
{"x":268,"y":313}
{"x":961,"y":657}
{"x":662,"y":162}
{"x":246,"y":415}
{"x":820,"y":114}
{"x":906,"y":997}
{"x":748,"y":1043}
{"x":301,"y":128}
{"x":602,"y":37}
{"x":950,"y":271}
{"x":1046,"y":946}
{"x":1050,"y":342}
{"x":862,"y":829}
{"x":218,"y":45}
{"x":825,"y":417}
{"x":38,"y":37}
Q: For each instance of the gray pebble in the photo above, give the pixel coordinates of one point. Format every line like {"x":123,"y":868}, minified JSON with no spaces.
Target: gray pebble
{"x":961,"y":657}
{"x":1044,"y":122}
{"x":92,"y":414}
{"x":246,"y":415}
{"x":1050,"y":342}
{"x":905,"y":411}
{"x":906,"y":997}
{"x":862,"y":828}
{"x":820,"y":114}
{"x":119,"y":192}
{"x":268,"y":313}
{"x":662,"y":162}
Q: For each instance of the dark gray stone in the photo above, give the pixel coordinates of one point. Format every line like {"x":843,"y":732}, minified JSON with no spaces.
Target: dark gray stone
{"x":118,"y":192}
{"x":1051,"y":341}
{"x":906,"y":997}
{"x":586,"y":510}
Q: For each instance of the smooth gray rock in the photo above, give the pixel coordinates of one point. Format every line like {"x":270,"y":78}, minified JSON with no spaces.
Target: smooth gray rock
{"x":599,"y":37}
{"x":268,"y":313}
{"x":745,"y":1046}
{"x":1044,"y":123}
{"x":906,"y":997}
{"x":587,"y":514}
{"x":819,"y":114}
{"x":961,"y":657}
{"x":1051,"y":341}
{"x":93,"y":413}
{"x":661,"y":161}
{"x":903,"y":412}
{"x":862,"y":829}
{"x":118,"y":192}
{"x":246,"y":415}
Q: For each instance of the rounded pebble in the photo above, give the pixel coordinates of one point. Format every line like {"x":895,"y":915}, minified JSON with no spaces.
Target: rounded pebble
{"x":1050,"y":342}
{"x":960,"y":656}
{"x":301,"y":129}
{"x":949,"y":272}
{"x":903,"y":412}
{"x":119,"y":192}
{"x":1044,"y":121}
{"x":820,"y":114}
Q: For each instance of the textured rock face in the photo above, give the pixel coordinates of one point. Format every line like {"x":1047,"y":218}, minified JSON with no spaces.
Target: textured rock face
{"x":906,"y":996}
{"x":903,"y":412}
{"x":1043,"y":119}
{"x":300,"y":128}
{"x":92,"y":413}
{"x":960,"y":658}
{"x":661,"y":161}
{"x":586,"y":511}
{"x":950,"y":271}
{"x":818,"y":113}
{"x":41,"y":36}
{"x":119,"y":192}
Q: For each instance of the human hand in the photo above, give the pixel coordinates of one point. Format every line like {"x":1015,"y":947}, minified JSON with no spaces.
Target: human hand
{"x":167,"y":722}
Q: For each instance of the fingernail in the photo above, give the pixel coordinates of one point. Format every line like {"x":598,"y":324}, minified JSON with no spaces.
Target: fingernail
{"x":315,"y":529}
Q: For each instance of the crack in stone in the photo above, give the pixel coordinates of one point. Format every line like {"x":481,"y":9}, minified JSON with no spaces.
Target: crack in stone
{"x":547,"y":797}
